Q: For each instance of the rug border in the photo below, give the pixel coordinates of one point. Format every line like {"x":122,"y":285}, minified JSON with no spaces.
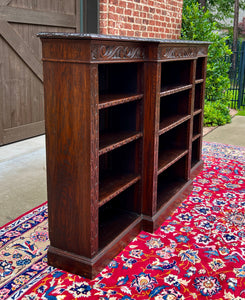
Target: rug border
{"x":22,"y":215}
{"x":230,"y":145}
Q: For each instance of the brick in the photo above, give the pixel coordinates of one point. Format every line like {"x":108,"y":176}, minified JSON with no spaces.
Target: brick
{"x":111,"y":23}
{"x":103,"y":16}
{"x":130,"y":19}
{"x":128,"y":25}
{"x":148,"y":18}
{"x":122,"y":32}
{"x":145,"y":34}
{"x":130,"y":5}
{"x":119,"y":10}
{"x":137,"y":33}
{"x":103,"y":23}
{"x":122,"y":3}
{"x":113,"y":31}
{"x":130,"y":33}
{"x":138,"y":7}
{"x":103,"y":7}
{"x":112,"y":8}
{"x":136,"y":27}
{"x":136,"y":13}
{"x":114,"y":17}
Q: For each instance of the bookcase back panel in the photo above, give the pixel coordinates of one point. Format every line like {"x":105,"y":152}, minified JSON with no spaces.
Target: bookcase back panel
{"x":118,"y":78}
{"x":200,"y":68}
{"x":175,"y":73}
{"x":116,"y":215}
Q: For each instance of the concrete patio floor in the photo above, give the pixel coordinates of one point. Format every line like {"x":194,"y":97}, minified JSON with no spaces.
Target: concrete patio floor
{"x":22,"y":177}
{"x":23,"y":169}
{"x":231,"y":134}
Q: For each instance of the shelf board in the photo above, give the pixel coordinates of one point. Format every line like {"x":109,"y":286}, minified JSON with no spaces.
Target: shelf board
{"x":196,"y":136}
{"x":172,"y":121}
{"x":107,"y":100}
{"x":197,"y":111}
{"x":197,"y":81}
{"x":114,"y":222}
{"x":168,"y":189}
{"x":113,"y":185}
{"x":169,"y":157}
{"x":112,"y":140}
{"x":172,"y":89}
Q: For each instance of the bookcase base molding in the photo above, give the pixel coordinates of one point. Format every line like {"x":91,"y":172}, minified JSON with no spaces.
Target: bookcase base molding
{"x":123,"y":140}
{"x":150,"y":224}
{"x":90,"y":267}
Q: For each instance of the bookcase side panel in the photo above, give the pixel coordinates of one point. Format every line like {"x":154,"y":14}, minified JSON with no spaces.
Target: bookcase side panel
{"x":72,"y":156}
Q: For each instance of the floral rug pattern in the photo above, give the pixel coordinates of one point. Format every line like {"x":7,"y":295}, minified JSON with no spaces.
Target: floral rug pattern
{"x":197,"y":253}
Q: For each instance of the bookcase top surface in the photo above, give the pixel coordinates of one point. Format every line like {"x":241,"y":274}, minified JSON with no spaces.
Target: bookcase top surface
{"x":91,"y":36}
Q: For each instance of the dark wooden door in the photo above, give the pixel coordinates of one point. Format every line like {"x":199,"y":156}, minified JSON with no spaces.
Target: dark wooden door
{"x":21,"y":78}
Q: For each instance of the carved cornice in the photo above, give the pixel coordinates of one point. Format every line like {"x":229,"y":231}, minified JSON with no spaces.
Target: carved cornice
{"x":107,"y":52}
{"x":202,"y":51}
{"x":177,"y":52}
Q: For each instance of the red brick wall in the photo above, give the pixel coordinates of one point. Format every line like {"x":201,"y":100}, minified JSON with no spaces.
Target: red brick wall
{"x":141,"y":18}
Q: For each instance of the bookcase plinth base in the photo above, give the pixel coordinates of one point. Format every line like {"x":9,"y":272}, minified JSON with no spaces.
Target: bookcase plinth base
{"x":151,"y":223}
{"x":196,"y":169}
{"x":90,"y":267}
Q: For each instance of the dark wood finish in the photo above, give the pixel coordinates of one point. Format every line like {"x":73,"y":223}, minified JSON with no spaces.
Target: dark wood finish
{"x":89,"y":268}
{"x":174,"y":88}
{"x":182,"y":191}
{"x":123,"y":122}
{"x":114,"y":185}
{"x":110,"y":141}
{"x":172,"y":121}
{"x":168,"y":157}
{"x":111,"y":100}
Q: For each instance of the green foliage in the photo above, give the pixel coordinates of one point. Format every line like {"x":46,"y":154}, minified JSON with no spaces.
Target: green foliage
{"x":223,"y":9}
{"x":241,"y":112}
{"x":197,"y":25}
{"x":216,"y":114}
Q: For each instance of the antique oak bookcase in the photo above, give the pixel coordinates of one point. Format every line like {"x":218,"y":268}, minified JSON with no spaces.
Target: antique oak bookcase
{"x":123,"y":140}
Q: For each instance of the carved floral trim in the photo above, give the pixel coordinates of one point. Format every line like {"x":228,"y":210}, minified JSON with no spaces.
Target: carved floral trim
{"x":177,"y":52}
{"x":202,"y":51}
{"x":105,"y":52}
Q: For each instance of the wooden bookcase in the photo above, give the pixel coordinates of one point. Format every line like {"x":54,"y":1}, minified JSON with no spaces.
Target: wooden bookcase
{"x":123,"y":140}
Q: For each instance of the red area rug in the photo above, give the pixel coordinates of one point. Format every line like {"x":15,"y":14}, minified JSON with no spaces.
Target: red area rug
{"x":197,"y":253}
